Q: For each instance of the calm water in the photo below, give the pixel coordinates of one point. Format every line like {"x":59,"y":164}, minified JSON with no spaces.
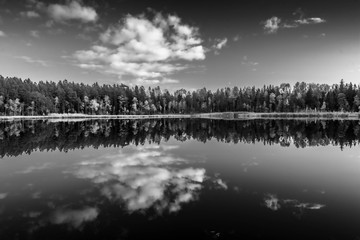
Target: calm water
{"x":180,"y":179}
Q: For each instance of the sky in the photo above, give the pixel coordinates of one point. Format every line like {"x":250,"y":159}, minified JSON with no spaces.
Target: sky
{"x":181,"y":44}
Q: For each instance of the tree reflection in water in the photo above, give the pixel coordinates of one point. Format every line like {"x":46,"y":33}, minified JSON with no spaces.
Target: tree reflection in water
{"x":26,"y":136}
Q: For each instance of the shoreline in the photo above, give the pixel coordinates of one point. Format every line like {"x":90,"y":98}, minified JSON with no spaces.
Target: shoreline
{"x":282,"y":115}
{"x":218,"y":115}
{"x":83,"y":117}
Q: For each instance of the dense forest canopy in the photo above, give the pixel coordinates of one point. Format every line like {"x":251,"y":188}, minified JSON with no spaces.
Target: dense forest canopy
{"x":24,"y":97}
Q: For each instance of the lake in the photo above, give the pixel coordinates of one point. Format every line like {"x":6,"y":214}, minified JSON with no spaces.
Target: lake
{"x":180,"y":179}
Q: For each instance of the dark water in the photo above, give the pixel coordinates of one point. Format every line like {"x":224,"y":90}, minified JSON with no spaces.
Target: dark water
{"x":180,"y":179}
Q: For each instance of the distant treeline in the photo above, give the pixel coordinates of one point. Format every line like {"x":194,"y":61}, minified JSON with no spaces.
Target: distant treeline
{"x":24,"y":97}
{"x":20,"y":137}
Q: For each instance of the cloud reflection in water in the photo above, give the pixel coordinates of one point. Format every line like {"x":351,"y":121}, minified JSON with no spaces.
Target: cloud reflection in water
{"x":150,"y":177}
{"x":3,"y":195}
{"x":74,"y":218}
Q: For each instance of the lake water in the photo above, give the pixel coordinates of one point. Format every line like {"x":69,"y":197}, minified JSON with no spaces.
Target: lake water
{"x":180,"y":179}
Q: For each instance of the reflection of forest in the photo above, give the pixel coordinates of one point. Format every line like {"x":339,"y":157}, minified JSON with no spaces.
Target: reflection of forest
{"x":26,"y":136}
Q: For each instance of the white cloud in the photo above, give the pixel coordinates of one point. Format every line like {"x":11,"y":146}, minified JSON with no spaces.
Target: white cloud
{"x":315,"y":20}
{"x":220,"y":43}
{"x":75,"y":217}
{"x":144,"y":81}
{"x":34,"y":33}
{"x":2,"y":34}
{"x":169,"y":80}
{"x":271,"y":25}
{"x":141,"y":48}
{"x":30,"y":14}
{"x":72,"y":11}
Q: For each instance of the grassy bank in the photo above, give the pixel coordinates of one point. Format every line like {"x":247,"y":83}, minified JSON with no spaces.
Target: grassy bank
{"x":224,"y":115}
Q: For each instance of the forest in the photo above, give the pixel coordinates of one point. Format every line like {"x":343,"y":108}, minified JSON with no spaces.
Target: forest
{"x":19,"y":137}
{"x":25,"y":97}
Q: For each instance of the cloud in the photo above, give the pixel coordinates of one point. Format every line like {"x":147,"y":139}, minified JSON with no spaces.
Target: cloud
{"x":289,"y":25}
{"x":3,"y":195}
{"x":32,"y":214}
{"x":35,"y":4}
{"x":138,"y":47}
{"x":75,"y":218}
{"x":144,"y":81}
{"x":247,"y":165}
{"x":299,"y":12}
{"x":219,"y":44}
{"x":30,"y":14}
{"x":36,"y":195}
{"x":33,"y":168}
{"x":250,"y":63}
{"x":2,"y":34}
{"x":148,"y":178}
{"x":310,"y":206}
{"x":303,"y":20}
{"x":220,"y":183}
{"x":169,"y":80}
{"x":30,"y":60}
{"x":72,"y":11}
{"x":34,"y":33}
{"x":310,"y":21}
{"x":272,"y":202}
{"x":246,"y":62}
{"x":236,"y":38}
{"x":273,"y":24}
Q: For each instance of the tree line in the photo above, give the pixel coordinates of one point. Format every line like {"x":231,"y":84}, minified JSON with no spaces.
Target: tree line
{"x":20,"y":137}
{"x":25,"y":97}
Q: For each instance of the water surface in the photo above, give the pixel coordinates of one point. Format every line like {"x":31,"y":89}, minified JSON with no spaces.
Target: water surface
{"x":179,"y":179}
